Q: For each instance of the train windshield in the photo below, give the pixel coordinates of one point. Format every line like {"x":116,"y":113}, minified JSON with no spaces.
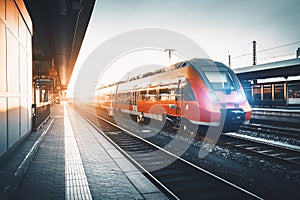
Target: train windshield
{"x":221,"y":80}
{"x":218,"y":77}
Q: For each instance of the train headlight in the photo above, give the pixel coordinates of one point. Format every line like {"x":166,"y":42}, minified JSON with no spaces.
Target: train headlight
{"x":240,"y":96}
{"x":213,"y":96}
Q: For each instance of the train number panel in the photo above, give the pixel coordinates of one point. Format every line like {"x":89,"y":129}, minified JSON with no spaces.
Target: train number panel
{"x":198,"y":91}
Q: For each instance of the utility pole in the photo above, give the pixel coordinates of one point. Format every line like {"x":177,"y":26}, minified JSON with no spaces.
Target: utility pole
{"x":229,"y":61}
{"x":170,"y":52}
{"x":254,"y":52}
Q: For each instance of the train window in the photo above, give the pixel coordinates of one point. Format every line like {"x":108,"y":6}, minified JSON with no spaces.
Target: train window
{"x":142,"y":95}
{"x":113,"y":97}
{"x":217,"y":76}
{"x":130,"y":98}
{"x":183,"y":64}
{"x":107,"y":98}
{"x":187,"y":91}
{"x":221,"y":80}
{"x":120,"y":96}
{"x":123,"y":98}
{"x":164,"y":97}
{"x":167,"y":94}
{"x":267,"y":92}
{"x":164,"y":94}
{"x":152,"y":95}
{"x":172,"y":96}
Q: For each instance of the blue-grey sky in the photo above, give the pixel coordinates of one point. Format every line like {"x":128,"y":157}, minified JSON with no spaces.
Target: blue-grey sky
{"x":219,"y":27}
{"x":231,"y":24}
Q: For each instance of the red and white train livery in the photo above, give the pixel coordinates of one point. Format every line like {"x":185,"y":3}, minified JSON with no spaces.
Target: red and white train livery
{"x":201,"y":91}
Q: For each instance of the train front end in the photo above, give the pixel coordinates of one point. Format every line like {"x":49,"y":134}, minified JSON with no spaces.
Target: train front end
{"x":220,"y":96}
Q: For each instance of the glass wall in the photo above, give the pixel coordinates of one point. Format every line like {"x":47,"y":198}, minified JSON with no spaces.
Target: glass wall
{"x":279,"y":91}
{"x":294,"y":93}
{"x":280,"y":94}
{"x":257,"y":92}
{"x":267,"y":93}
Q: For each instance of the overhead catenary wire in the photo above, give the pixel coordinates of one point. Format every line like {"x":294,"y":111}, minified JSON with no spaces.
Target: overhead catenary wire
{"x":277,"y":47}
{"x":268,"y":49}
{"x":278,"y":56}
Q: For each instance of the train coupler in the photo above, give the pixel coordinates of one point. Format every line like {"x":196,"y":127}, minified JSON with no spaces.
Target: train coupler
{"x":232,"y":119}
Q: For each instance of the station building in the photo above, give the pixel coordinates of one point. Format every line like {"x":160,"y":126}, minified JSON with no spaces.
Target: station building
{"x":275,"y":84}
{"x":15,"y":73}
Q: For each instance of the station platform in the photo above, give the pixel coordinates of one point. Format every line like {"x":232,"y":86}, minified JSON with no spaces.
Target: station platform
{"x":289,"y":116}
{"x":68,"y":159}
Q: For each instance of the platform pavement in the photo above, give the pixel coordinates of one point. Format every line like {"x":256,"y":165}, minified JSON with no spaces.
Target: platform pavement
{"x":75,"y":162}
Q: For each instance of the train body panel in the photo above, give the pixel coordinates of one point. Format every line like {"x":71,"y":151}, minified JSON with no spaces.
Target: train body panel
{"x":202,"y":91}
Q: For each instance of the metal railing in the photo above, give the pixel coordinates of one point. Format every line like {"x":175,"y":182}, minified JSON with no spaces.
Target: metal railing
{"x":40,"y":112}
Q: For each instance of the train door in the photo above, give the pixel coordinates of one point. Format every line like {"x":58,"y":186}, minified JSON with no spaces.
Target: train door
{"x":111,"y":108}
{"x":134,"y":102}
{"x":179,"y":98}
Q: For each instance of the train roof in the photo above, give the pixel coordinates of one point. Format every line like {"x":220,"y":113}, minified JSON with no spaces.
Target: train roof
{"x":284,"y":68}
{"x":192,"y":62}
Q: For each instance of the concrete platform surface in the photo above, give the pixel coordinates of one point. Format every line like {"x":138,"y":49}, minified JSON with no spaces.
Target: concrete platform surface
{"x":72,"y":161}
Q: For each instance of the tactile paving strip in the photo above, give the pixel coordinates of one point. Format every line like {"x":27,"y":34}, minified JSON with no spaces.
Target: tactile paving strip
{"x":75,"y":179}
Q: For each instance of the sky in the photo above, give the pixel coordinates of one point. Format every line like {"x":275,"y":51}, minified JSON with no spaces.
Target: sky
{"x":219,"y":27}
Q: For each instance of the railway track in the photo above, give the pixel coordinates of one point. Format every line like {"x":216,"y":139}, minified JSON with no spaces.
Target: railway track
{"x":277,"y":131}
{"x":179,"y":179}
{"x":289,"y":154}
{"x":266,"y":148}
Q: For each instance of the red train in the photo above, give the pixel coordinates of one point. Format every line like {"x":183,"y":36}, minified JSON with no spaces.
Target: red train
{"x":200,"y":91}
